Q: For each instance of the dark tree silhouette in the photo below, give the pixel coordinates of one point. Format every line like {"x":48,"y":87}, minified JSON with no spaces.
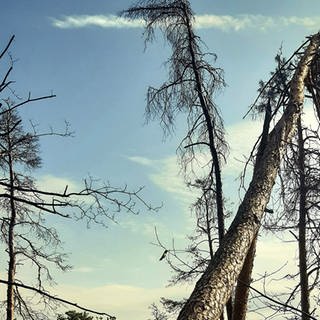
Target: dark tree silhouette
{"x":189,"y":90}
{"x":29,"y":240}
{"x":215,"y":286}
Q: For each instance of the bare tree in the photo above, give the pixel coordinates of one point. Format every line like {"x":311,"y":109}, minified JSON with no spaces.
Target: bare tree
{"x":189,"y":89}
{"x":192,"y":82}
{"x":299,"y":215}
{"x":29,"y":240}
{"x":234,"y":259}
{"x":272,"y":96}
{"x":298,"y":176}
{"x":215,"y":286}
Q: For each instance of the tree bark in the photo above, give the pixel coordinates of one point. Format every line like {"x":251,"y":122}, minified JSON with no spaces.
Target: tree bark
{"x":303,"y":271}
{"x":214,"y":288}
{"x":241,"y":296}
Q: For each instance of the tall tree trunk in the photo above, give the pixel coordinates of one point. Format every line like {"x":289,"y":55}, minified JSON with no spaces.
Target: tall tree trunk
{"x":210,"y":129}
{"x":214,"y":288}
{"x":11,"y":269}
{"x":11,"y":249}
{"x":212,"y":146}
{"x":304,"y":295}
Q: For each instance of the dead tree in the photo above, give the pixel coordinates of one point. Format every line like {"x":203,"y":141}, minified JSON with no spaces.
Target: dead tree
{"x":24,"y":207}
{"x":192,"y":82}
{"x":215,"y":286}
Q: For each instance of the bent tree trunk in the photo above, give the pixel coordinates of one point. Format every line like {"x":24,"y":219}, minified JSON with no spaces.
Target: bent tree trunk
{"x":214,"y":288}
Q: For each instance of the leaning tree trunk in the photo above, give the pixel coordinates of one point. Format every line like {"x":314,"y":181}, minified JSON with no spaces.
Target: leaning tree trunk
{"x":214,"y":288}
{"x":240,"y":304}
{"x":242,"y":289}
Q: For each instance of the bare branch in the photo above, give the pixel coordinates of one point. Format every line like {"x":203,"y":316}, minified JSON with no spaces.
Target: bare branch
{"x":45,"y":293}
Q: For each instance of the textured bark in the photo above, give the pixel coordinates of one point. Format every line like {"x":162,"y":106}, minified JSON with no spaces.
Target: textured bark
{"x":214,"y":288}
{"x":303,"y":271}
{"x":241,"y":297}
{"x":242,"y":290}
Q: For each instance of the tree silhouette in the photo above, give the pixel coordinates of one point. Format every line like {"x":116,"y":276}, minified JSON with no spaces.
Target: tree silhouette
{"x":190,"y":88}
{"x":29,"y":240}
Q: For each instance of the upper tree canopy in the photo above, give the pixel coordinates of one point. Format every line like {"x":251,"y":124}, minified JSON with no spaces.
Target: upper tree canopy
{"x":192,"y":79}
{"x":21,"y":146}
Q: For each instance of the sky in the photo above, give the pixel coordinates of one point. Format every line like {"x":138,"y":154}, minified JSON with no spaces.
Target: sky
{"x":96,"y":65}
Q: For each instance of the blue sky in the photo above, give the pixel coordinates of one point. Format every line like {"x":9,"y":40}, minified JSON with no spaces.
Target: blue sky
{"x":97,"y":67}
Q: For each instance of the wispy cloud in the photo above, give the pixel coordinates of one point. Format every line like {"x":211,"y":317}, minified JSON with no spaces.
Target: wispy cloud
{"x":241,"y":138}
{"x":142,"y":160}
{"x":165,"y":174}
{"x":56,"y":184}
{"x":222,"y":22}
{"x":102,"y":21}
{"x":258,"y":22}
{"x":236,"y":23}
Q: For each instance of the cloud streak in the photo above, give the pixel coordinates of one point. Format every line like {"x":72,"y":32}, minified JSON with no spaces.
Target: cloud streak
{"x":102,"y":21}
{"x":208,"y":21}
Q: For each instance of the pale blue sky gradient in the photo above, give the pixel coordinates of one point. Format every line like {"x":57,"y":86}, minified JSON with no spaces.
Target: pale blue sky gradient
{"x":100,"y":76}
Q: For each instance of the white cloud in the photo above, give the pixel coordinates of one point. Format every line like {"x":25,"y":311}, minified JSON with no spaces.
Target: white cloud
{"x":165,"y":174}
{"x":241,"y":138}
{"x":102,"y":21}
{"x":143,"y":161}
{"x":122,"y":301}
{"x":259,"y":22}
{"x":307,"y":22}
{"x":145,"y":227}
{"x":222,"y":22}
{"x":169,"y":179}
{"x":235,"y":23}
{"x":56,"y":184}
